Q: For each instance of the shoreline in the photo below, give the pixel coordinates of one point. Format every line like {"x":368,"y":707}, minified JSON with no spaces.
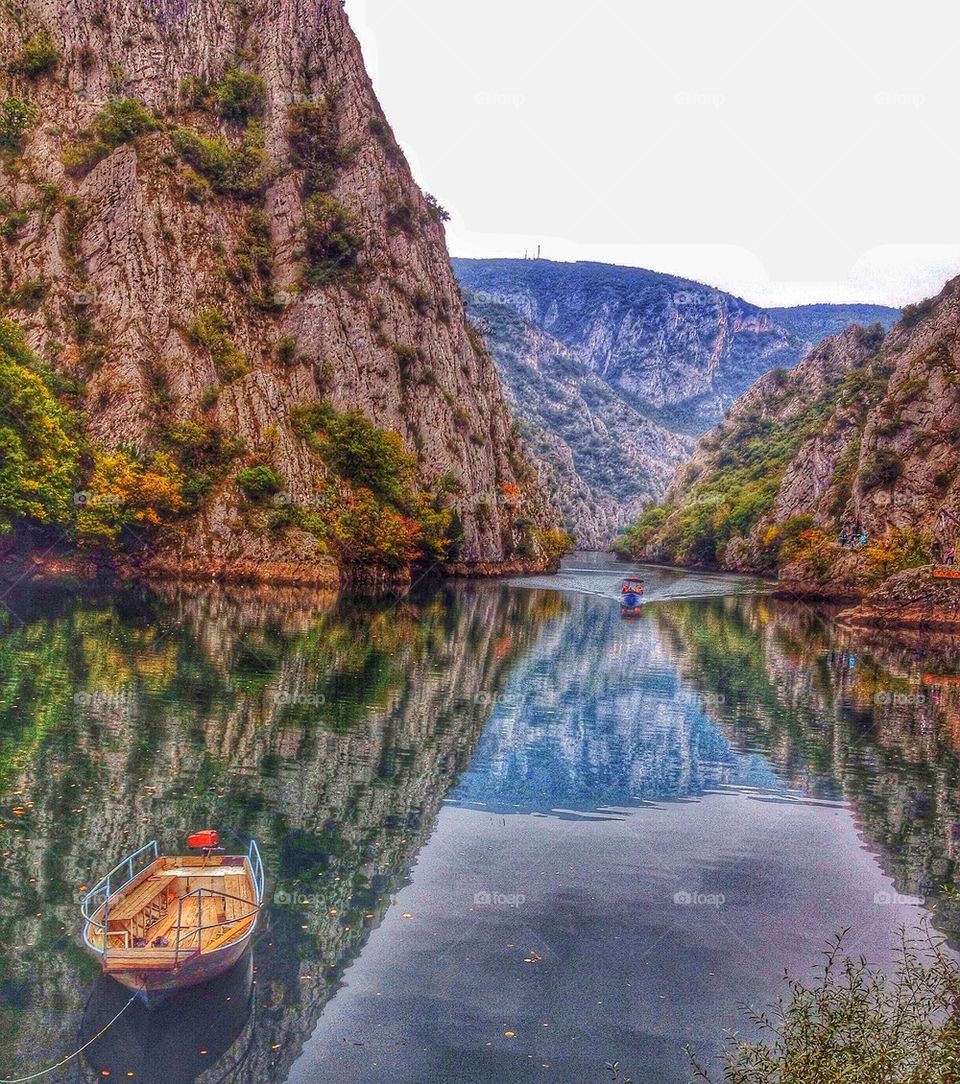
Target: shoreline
{"x":49,"y":566}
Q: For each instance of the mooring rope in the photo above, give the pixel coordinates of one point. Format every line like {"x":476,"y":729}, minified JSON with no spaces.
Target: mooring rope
{"x":70,"y":1057}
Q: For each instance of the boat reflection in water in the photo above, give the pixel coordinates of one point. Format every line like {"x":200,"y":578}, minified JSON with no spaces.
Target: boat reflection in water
{"x":204,"y":1029}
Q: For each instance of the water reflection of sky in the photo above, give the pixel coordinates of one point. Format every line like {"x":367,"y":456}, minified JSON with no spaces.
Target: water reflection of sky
{"x":597,"y":717}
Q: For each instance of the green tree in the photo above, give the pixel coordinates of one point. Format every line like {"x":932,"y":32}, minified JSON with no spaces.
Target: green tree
{"x":38,"y":452}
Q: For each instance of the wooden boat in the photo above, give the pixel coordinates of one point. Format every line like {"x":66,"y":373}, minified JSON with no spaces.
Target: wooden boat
{"x":160,"y":923}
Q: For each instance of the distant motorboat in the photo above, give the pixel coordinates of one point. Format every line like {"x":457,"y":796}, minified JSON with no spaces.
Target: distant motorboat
{"x":632,"y":585}
{"x":159,"y":923}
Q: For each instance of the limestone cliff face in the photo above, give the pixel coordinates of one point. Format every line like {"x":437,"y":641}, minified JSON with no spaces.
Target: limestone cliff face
{"x":867,"y":426}
{"x":109,"y":265}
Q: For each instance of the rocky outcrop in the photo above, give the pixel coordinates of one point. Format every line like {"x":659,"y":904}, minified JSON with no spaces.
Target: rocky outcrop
{"x":599,"y":457}
{"x":109,"y":259}
{"x":909,"y":599}
{"x":859,"y":444}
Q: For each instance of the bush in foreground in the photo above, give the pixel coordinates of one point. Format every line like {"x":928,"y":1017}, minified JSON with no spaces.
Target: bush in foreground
{"x":854,"y":1025}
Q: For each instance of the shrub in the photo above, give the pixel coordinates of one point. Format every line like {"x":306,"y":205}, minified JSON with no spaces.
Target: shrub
{"x":402,"y":217}
{"x":202,"y":452}
{"x":333,"y":244}
{"x":285,"y":349}
{"x":883,"y":469}
{"x":39,"y":453}
{"x":16,"y":119}
{"x":38,"y":56}
{"x":240,"y":95}
{"x":254,"y":251}
{"x":897,"y":551}
{"x":856,"y":1025}
{"x":374,"y":515}
{"x":128,"y":490}
{"x":209,"y":330}
{"x":232,"y":171}
{"x":27,"y":295}
{"x":358,"y":452}
{"x":313,"y":133}
{"x":120,"y":121}
{"x":437,"y":212}
{"x":554,"y":543}
{"x":259,"y":483}
{"x":913,"y":314}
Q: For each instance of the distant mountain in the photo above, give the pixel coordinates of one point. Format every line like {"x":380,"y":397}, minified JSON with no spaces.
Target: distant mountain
{"x":601,"y":459}
{"x":612,"y":371}
{"x":679,"y":351}
{"x":814,"y":323}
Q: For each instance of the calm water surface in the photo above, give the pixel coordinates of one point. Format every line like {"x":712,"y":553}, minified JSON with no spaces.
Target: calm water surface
{"x":510,"y":835}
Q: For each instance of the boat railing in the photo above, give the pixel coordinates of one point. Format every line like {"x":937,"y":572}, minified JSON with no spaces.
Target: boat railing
{"x":185,"y":933}
{"x":256,"y":865}
{"x":100,"y":895}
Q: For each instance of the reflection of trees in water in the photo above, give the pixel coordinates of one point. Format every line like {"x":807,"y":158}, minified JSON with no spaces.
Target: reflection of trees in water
{"x":872,"y":718}
{"x":331,"y":731}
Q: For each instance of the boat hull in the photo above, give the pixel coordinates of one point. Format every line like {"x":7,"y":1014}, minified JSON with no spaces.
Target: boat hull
{"x":198,"y":969}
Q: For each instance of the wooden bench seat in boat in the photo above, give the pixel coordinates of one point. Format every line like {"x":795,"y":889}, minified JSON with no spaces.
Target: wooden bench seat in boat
{"x":129,"y":906}
{"x":135,"y":912}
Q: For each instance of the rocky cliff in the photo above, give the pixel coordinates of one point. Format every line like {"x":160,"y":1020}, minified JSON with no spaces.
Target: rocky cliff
{"x":863,"y":433}
{"x":207,"y":224}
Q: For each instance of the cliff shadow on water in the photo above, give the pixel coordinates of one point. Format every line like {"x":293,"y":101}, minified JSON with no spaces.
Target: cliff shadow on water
{"x":867,"y":718}
{"x":329,"y":729}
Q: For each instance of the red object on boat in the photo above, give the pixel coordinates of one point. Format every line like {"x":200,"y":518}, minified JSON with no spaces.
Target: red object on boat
{"x":203,"y":840}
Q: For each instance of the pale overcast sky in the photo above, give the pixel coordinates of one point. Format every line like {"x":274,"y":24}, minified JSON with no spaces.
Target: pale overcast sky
{"x":786,"y":151}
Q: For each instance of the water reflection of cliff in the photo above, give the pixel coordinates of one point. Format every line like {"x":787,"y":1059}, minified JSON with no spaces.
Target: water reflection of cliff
{"x":596,"y":715}
{"x":331,"y":732}
{"x":868,"y":717}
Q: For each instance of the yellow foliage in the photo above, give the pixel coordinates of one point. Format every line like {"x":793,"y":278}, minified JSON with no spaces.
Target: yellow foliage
{"x":125,"y":491}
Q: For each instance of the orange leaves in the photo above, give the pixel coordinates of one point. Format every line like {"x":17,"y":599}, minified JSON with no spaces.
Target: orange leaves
{"x":127,"y":491}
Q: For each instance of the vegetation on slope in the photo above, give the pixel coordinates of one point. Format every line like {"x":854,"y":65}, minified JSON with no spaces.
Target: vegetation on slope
{"x":39,"y":453}
{"x":371,"y":511}
{"x":737,"y":488}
